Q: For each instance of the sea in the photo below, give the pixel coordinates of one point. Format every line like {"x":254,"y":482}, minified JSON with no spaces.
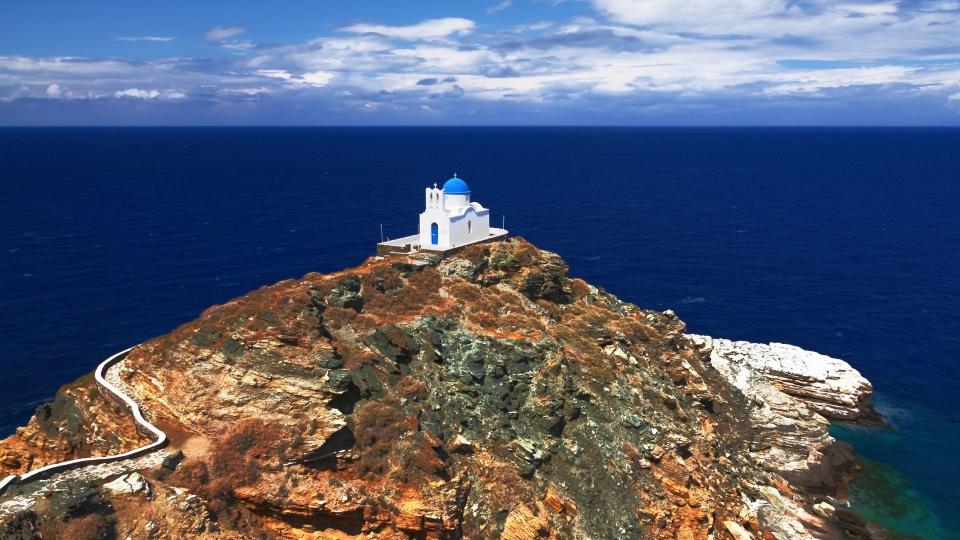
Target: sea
{"x":845,"y":241}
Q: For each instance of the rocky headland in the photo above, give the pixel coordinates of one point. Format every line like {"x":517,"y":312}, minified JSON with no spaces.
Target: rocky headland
{"x":485,"y":395}
{"x":827,"y":385}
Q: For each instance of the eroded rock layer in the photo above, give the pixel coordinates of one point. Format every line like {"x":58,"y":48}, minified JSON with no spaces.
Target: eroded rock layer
{"x":487,"y":395}
{"x":827,"y":385}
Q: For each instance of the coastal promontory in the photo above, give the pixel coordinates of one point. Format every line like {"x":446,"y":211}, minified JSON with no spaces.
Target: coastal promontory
{"x":485,"y":394}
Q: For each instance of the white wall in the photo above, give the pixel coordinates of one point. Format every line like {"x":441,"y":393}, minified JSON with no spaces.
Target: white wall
{"x":456,"y":201}
{"x":440,"y":218}
{"x":453,"y":231}
{"x":433,"y":198}
{"x":461,"y":233}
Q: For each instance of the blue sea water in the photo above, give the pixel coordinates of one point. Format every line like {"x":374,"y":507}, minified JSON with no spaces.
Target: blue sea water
{"x":841,"y":240}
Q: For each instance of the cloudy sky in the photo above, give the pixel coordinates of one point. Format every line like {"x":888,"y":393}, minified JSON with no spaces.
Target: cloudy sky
{"x":321,"y":62}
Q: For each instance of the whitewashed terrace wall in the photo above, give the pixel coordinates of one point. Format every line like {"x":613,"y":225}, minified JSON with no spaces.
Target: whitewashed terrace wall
{"x":117,"y":394}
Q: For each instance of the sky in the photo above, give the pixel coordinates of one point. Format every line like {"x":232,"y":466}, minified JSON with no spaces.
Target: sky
{"x":480,"y":62}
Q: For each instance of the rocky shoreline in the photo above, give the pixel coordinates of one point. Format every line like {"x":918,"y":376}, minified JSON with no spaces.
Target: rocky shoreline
{"x":826,"y":385}
{"x":796,"y":392}
{"x":486,"y":395}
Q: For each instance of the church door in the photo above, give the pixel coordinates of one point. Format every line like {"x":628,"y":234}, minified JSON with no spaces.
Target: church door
{"x":434,"y":234}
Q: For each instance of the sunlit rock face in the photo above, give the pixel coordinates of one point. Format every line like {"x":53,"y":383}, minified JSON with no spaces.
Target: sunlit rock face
{"x":485,"y":395}
{"x":827,"y":385}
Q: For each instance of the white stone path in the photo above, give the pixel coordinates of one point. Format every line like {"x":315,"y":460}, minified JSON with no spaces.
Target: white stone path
{"x":36,"y":485}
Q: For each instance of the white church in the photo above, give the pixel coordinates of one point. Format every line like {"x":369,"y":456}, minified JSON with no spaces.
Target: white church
{"x":449,"y":221}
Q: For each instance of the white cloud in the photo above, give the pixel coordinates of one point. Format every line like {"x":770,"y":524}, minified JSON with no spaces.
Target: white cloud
{"x":239,"y":45}
{"x":688,"y":12}
{"x":62,"y":65}
{"x":499,"y":6}
{"x":223,"y":33}
{"x":429,"y":29}
{"x":589,"y":58}
{"x":813,"y":81}
{"x":313,"y":78}
{"x":535,"y":27}
{"x":137,"y":93}
{"x":317,"y":78}
{"x":744,"y":51}
{"x":246,"y":92}
{"x":146,"y":38}
{"x":945,"y":5}
{"x":873,"y":8}
{"x":276,"y":74}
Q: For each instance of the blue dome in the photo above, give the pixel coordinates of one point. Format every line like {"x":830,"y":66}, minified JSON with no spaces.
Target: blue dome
{"x":456,"y":186}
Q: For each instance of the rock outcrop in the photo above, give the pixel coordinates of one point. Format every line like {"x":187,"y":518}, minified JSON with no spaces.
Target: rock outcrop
{"x":80,"y":422}
{"x":826,"y":385}
{"x":486,"y":395}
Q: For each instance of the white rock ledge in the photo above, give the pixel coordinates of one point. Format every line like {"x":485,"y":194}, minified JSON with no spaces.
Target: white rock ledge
{"x":826,"y":385}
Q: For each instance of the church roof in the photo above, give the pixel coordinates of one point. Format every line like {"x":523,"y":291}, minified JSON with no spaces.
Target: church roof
{"x":456,"y":186}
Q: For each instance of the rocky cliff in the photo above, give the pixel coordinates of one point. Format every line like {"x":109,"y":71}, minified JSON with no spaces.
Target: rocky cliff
{"x":486,"y":395}
{"x":79,"y":422}
{"x":827,"y":385}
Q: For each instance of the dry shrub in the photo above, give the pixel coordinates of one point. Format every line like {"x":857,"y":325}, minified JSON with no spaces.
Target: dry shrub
{"x":379,"y":426}
{"x":513,"y":256}
{"x":485,"y":319}
{"x":384,"y":303}
{"x":392,"y":446}
{"x":489,"y":303}
{"x":382,"y":278}
{"x":353,"y":357}
{"x":465,"y":292}
{"x":89,"y":527}
{"x":594,"y":316}
{"x":426,"y":280}
{"x":193,"y":474}
{"x":420,"y":290}
{"x":475,"y":253}
{"x":526,"y":253}
{"x":418,"y":458}
{"x":380,"y":290}
{"x":257,"y":443}
{"x":633,"y":330}
{"x":411,"y":388}
{"x":579,"y":288}
{"x":512,"y":300}
{"x":235,"y":459}
{"x":399,"y":337}
{"x":515,"y":321}
{"x":337,"y":317}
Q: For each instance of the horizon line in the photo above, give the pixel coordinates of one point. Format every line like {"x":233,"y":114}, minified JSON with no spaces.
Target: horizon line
{"x":429,"y":126}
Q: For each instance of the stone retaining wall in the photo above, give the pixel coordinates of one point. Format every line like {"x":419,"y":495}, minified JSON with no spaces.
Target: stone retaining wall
{"x":385,"y":249}
{"x":116,"y":394}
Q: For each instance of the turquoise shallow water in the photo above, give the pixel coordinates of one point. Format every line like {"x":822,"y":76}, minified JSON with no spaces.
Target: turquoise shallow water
{"x":843,"y":241}
{"x":913,"y":439}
